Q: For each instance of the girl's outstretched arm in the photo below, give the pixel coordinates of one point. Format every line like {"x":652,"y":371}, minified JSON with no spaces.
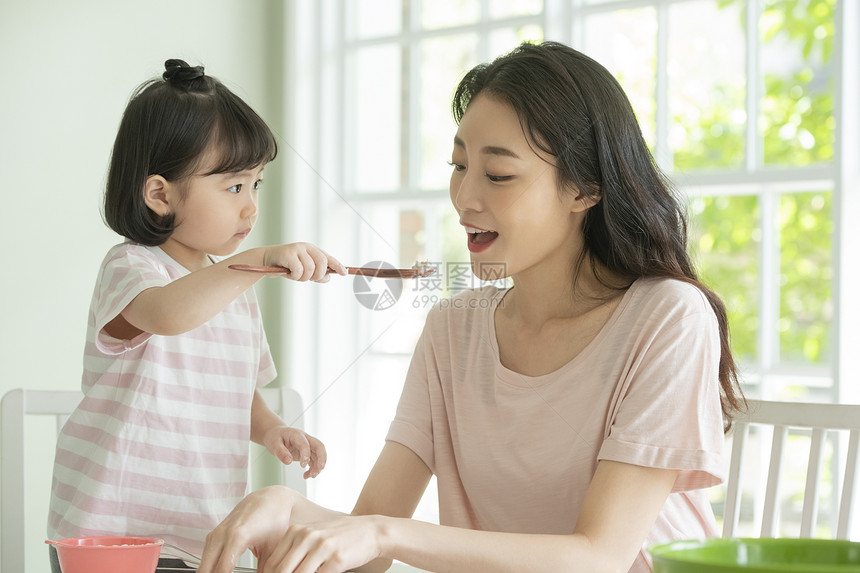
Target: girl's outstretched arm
{"x":190,"y":301}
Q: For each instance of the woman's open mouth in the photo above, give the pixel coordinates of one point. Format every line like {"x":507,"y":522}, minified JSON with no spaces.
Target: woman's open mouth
{"x":480,"y":239}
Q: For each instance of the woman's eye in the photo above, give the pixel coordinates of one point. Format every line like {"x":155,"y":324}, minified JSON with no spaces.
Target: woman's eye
{"x":258,"y":183}
{"x":457,"y":166}
{"x":498,"y":178}
{"x":235,"y":188}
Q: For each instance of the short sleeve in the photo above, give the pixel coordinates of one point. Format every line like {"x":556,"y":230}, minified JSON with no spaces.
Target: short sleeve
{"x":669,"y":415}
{"x":413,"y":424}
{"x":125,"y":273}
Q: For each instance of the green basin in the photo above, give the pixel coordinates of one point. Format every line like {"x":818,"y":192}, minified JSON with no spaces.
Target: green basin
{"x":764,"y":555}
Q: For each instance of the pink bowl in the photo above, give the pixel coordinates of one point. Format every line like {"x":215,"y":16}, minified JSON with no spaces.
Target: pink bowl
{"x":108,"y":554}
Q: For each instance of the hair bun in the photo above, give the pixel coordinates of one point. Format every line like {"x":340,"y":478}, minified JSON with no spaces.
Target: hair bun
{"x":178,"y":71}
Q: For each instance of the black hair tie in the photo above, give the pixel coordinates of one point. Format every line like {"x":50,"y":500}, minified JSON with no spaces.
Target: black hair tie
{"x":178,"y":71}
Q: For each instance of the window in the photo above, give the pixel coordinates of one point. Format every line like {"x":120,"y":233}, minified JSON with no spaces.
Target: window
{"x":739,"y":100}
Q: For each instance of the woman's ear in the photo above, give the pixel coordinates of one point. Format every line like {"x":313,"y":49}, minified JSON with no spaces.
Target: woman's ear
{"x":584,"y":200}
{"x":156,"y":196}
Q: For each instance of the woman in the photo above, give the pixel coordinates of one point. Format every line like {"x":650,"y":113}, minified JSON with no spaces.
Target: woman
{"x":571,"y":420}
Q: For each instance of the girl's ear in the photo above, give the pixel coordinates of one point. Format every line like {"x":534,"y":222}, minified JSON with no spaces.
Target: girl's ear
{"x":155,"y":195}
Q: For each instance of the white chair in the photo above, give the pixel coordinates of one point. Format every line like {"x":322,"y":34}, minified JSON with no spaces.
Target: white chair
{"x":18,"y":404}
{"x":817,"y":420}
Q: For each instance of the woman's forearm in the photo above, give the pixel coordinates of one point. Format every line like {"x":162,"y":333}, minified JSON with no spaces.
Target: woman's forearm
{"x":616,"y":515}
{"x":439,"y":548}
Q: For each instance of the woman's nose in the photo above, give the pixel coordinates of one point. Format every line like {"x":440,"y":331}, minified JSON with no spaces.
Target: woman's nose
{"x":463,"y":192}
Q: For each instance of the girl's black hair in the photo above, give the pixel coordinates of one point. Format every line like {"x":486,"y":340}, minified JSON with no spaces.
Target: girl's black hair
{"x":167,"y":126}
{"x":572,"y":108}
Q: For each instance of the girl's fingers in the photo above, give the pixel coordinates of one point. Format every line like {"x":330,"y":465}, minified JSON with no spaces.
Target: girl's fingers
{"x":320,"y":260}
{"x":308,"y":264}
{"x":284,"y":454}
{"x":296,"y":270}
{"x":302,"y":449}
{"x":335,"y":265}
{"x":318,"y":457}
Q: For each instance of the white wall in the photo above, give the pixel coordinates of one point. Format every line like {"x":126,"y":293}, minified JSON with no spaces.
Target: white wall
{"x":68,"y":68}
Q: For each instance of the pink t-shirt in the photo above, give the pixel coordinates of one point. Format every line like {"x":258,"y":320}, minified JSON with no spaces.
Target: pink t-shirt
{"x":516,"y":453}
{"x":159,"y":445}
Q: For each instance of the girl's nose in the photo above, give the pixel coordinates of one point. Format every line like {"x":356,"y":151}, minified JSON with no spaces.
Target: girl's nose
{"x":249,"y":209}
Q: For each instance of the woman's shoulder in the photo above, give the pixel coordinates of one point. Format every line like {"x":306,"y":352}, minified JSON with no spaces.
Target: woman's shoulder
{"x":670,"y":296}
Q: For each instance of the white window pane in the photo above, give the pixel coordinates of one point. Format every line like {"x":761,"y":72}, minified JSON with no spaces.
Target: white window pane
{"x":806,"y":277}
{"x":445,"y":13}
{"x":707,"y":84}
{"x":508,"y":8}
{"x":453,"y":237}
{"x":373,"y":116}
{"x":444,"y":61}
{"x":797,"y":116}
{"x":374,"y":18}
{"x":725,"y":243}
{"x":356,"y":412}
{"x":506,"y":39}
{"x":625,"y":42}
{"x":356,"y":409}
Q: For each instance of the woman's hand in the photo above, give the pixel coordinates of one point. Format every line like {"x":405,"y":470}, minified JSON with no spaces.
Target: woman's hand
{"x":306,"y":262}
{"x":332,"y":546}
{"x":290,"y":444}
{"x":257,"y":523}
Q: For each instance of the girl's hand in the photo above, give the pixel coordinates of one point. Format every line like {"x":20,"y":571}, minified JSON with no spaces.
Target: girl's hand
{"x":334,"y":546}
{"x":289,"y":444}
{"x":305,"y":261}
{"x":257,"y":523}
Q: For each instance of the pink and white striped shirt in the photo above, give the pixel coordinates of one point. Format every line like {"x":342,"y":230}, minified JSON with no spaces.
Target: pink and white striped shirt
{"x":159,"y":445}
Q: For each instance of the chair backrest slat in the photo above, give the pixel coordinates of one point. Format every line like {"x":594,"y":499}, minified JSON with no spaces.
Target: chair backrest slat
{"x":771,"y":496}
{"x":813,"y":480}
{"x":849,"y":483}
{"x":732,"y":505}
{"x":821,"y":421}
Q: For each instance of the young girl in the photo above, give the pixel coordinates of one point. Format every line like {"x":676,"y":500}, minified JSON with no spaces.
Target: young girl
{"x":175,"y":345}
{"x":572,"y":420}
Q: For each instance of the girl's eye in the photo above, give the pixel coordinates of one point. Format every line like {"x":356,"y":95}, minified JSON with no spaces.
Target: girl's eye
{"x":498,"y":178}
{"x":456,"y":166}
{"x":235,"y":188}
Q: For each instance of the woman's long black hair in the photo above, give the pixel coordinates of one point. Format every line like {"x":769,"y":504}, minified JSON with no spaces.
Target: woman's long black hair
{"x":572,"y":108}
